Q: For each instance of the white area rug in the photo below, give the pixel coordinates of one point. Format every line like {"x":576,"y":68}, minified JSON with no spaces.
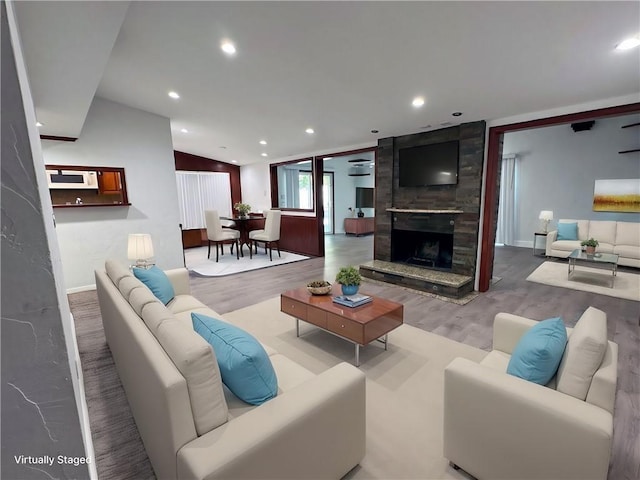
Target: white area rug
{"x":405,"y":387}
{"x":595,"y":280}
{"x":197,"y":261}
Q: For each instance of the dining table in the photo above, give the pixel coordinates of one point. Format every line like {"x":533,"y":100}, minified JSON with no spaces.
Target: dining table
{"x":245,"y":225}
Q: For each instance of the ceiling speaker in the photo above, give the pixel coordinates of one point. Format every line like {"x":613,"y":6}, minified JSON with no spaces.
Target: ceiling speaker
{"x":582,"y":126}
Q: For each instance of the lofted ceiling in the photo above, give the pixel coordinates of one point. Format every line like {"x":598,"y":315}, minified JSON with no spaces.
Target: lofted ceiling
{"x":342,"y":68}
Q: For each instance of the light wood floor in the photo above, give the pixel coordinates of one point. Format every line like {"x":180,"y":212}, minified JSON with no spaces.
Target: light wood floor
{"x":471,"y":323}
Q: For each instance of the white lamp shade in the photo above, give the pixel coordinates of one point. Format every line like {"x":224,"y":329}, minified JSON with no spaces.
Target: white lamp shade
{"x":140,"y":246}
{"x":546,"y":215}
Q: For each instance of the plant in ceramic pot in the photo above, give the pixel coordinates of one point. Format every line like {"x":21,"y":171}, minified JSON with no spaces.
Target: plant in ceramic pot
{"x":243,"y":209}
{"x":590,"y":245}
{"x":350,"y":279}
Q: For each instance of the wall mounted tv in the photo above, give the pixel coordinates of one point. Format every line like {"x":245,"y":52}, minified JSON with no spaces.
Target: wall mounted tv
{"x":435,"y":164}
{"x":364,"y":197}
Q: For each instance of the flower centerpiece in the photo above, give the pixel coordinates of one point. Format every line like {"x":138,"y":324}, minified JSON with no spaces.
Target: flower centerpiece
{"x":243,"y":209}
{"x":350,"y":279}
{"x":590,"y":245}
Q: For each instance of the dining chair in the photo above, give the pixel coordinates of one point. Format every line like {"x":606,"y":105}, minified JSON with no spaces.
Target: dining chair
{"x":270,"y":234}
{"x":218,"y":235}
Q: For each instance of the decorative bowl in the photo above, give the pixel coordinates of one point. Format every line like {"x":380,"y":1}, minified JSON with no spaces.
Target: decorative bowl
{"x":319,"y":287}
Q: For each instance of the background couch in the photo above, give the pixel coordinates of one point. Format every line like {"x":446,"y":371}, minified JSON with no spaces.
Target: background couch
{"x":622,"y":238}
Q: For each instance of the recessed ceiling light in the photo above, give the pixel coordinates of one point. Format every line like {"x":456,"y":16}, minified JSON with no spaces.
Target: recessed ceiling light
{"x":234,"y":161}
{"x":456,"y":114}
{"x":38,"y":124}
{"x":173,"y":94}
{"x":374,"y":131}
{"x":418,"y":102}
{"x":184,"y":130}
{"x":628,"y":43}
{"x":228,"y":47}
{"x":264,"y":154}
{"x":310,"y":130}
{"x":263,"y":142}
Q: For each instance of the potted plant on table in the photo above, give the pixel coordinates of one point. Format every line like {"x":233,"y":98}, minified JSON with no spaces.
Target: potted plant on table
{"x":350,"y":279}
{"x":243,"y":209}
{"x":590,"y":245}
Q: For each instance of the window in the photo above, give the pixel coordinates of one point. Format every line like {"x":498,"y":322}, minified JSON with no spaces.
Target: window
{"x":294,"y":182}
{"x":200,"y":191}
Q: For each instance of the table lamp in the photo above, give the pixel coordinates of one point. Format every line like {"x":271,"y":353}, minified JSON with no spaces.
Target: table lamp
{"x":546,"y":216}
{"x":140,"y":249}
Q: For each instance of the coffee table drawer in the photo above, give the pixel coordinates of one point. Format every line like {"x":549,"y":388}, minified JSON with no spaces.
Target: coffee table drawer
{"x":317,"y":317}
{"x":345,"y":328}
{"x":293,"y":308}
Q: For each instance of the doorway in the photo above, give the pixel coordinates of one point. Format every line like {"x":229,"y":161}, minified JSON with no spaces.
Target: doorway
{"x":328,"y":219}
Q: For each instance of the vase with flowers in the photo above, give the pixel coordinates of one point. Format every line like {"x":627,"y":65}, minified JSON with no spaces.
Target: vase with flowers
{"x":243,"y":209}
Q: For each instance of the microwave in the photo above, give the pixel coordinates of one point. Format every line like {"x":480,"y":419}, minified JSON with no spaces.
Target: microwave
{"x":72,"y":179}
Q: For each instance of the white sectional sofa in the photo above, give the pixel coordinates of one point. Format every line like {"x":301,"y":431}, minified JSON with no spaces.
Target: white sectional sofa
{"x":622,"y":238}
{"x":192,"y":426}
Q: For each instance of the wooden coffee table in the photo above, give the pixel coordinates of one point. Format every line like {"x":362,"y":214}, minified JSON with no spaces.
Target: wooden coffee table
{"x":360,"y":325}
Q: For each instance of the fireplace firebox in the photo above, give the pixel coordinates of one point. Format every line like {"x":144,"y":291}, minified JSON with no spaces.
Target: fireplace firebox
{"x":423,"y":240}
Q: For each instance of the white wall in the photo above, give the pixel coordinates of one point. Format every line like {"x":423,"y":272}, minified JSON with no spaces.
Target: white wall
{"x":256,"y":186}
{"x":558,"y":167}
{"x":118,"y":136}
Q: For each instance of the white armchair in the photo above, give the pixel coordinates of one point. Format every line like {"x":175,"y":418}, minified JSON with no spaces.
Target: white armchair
{"x":218,"y":236}
{"x":270,"y":234}
{"x":498,"y":426}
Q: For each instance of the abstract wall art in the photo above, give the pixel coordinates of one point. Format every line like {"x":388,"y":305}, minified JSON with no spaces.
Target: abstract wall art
{"x":617,"y":196}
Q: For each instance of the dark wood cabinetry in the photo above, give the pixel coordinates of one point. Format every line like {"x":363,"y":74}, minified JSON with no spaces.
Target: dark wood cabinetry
{"x":109,"y":183}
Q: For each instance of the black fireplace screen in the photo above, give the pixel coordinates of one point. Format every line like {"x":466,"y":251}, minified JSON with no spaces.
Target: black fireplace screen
{"x":424,"y":249}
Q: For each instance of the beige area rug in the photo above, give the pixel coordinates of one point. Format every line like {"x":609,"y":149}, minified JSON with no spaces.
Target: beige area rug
{"x":595,"y":280}
{"x":227,"y":264}
{"x":404,"y":388}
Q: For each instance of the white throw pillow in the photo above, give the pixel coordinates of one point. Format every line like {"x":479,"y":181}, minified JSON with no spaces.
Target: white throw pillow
{"x":195,"y":359}
{"x":583,"y":354}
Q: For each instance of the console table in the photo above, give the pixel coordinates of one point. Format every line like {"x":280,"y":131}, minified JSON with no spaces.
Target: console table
{"x":359,"y":226}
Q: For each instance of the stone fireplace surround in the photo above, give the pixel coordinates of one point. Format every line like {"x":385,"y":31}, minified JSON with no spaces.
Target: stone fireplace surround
{"x":459,"y":203}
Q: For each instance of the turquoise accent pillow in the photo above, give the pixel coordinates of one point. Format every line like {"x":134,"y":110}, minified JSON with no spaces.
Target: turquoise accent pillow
{"x":244,"y":365}
{"x":157,"y":281}
{"x":538,"y":353}
{"x":568,"y":231}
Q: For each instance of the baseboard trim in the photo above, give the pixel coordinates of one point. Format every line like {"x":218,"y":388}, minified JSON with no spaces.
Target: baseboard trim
{"x":84,"y":288}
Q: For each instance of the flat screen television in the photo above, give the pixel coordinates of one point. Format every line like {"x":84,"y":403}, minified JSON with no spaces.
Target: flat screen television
{"x":435,"y":164}
{"x":364,"y":197}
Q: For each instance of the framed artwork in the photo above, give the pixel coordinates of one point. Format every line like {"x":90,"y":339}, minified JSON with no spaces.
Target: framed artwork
{"x":617,"y":196}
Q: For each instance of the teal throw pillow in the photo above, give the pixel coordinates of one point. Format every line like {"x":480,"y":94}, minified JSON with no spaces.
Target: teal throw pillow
{"x":568,"y":231}
{"x":157,"y":281}
{"x":244,"y":365}
{"x":538,"y":353}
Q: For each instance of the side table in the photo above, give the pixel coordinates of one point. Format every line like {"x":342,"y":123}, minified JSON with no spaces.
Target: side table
{"x":535,"y":237}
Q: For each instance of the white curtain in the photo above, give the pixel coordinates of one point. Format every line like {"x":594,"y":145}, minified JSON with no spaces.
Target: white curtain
{"x":507,"y":202}
{"x":200,"y":191}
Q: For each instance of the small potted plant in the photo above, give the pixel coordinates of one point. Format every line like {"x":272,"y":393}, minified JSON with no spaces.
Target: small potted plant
{"x":590,"y":245}
{"x":243,"y":209}
{"x":350,"y":279}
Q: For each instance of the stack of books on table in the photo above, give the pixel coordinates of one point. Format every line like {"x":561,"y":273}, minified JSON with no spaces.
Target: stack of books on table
{"x":352,"y":300}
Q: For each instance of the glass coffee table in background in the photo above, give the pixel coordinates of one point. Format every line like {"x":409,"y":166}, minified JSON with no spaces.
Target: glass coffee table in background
{"x":605,"y":260}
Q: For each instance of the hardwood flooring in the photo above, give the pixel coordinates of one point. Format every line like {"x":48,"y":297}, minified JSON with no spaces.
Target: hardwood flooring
{"x":471,"y":323}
